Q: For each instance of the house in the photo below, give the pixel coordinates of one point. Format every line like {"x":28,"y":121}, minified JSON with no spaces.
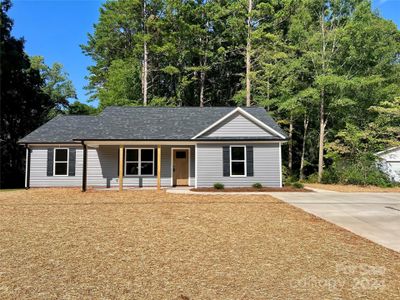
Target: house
{"x":390,"y":162}
{"x":156,"y":146}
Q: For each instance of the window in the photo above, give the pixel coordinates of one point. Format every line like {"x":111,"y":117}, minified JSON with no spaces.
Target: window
{"x":132,"y":162}
{"x":139,"y":161}
{"x":61,"y":162}
{"x":180,"y":154}
{"x":146,"y":161}
{"x":238,"y":160}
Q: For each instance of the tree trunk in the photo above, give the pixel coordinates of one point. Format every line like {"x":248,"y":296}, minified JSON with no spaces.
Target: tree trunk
{"x":248,"y":49}
{"x":145,"y":73}
{"x":290,"y":163}
{"x":145,"y":58}
{"x":202,"y":81}
{"x":322,"y":122}
{"x":303,"y":148}
{"x":204,"y":43}
{"x":321,"y":137}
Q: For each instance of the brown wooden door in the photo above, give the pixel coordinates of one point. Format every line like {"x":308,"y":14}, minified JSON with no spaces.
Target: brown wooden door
{"x":180,"y":167}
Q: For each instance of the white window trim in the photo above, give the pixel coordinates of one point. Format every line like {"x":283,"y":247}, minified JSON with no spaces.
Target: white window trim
{"x":238,"y":160}
{"x":54,"y":161}
{"x":139,"y":162}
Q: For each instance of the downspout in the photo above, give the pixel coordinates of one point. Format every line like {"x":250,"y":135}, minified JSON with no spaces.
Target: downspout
{"x":84,"y":168}
{"x":280,"y":165}
{"x":27,"y":167}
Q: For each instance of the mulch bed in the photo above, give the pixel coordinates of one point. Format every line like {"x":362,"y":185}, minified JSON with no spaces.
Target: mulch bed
{"x":251,"y":189}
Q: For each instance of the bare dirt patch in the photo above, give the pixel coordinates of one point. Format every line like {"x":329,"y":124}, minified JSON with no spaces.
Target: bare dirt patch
{"x":353,"y":188}
{"x":64,"y":244}
{"x":251,"y":189}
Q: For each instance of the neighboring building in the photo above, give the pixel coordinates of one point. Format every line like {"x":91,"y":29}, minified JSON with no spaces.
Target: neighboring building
{"x":157,"y":146}
{"x":390,"y":162}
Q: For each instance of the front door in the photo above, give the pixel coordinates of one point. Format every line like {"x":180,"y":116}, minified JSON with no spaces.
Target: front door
{"x":180,"y":167}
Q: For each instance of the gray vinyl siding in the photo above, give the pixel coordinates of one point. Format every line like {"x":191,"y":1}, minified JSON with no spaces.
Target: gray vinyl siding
{"x":237,"y":126}
{"x":266,"y":166}
{"x":102,"y":169}
{"x":38,"y":174}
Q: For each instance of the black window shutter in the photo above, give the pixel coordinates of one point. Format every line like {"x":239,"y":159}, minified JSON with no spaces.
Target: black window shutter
{"x":225,"y":159}
{"x":250,"y":160}
{"x":50,"y":161}
{"x":72,"y":162}
{"x":155,"y":161}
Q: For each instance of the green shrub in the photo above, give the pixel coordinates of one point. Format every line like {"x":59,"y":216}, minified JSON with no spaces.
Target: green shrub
{"x":297,"y":185}
{"x":285,"y":173}
{"x":289,"y":180}
{"x":330,"y":176}
{"x":257,"y":185}
{"x":219,"y":186}
{"x":313,"y":178}
{"x":362,"y":170}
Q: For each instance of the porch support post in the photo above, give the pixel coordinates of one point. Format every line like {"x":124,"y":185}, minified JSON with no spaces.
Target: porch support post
{"x":84,"y":168}
{"x":121,"y":167}
{"x":159,"y":167}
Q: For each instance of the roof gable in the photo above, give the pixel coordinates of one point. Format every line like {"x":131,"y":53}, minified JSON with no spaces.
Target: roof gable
{"x":239,"y":123}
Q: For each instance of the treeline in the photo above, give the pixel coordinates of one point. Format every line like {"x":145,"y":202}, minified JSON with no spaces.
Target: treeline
{"x":31,"y":94}
{"x":327,"y":70}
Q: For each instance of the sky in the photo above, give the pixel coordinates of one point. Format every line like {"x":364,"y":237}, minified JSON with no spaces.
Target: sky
{"x":55,"y":29}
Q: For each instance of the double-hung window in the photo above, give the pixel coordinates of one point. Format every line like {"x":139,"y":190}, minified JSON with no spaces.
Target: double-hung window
{"x":61,"y":161}
{"x":139,"y":161}
{"x":238,"y":161}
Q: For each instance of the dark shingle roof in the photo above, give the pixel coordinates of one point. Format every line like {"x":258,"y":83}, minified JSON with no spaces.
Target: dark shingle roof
{"x":139,"y":123}
{"x":61,"y":129}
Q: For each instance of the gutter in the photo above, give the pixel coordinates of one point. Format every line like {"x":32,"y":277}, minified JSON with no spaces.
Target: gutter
{"x":47,"y":143}
{"x":80,"y":141}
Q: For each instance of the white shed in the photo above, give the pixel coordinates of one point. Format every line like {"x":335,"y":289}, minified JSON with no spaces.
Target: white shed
{"x":390,"y":162}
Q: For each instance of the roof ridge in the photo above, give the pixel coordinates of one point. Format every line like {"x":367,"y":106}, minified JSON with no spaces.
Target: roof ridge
{"x":76,"y":115}
{"x":177,"y":107}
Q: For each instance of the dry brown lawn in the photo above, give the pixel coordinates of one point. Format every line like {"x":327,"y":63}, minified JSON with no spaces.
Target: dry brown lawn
{"x":64,"y":244}
{"x":353,"y":188}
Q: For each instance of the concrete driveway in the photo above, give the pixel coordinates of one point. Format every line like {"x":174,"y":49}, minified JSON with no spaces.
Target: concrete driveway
{"x":375,"y":216}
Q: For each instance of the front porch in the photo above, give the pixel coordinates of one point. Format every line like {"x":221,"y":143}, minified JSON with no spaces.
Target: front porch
{"x":134,"y":165}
